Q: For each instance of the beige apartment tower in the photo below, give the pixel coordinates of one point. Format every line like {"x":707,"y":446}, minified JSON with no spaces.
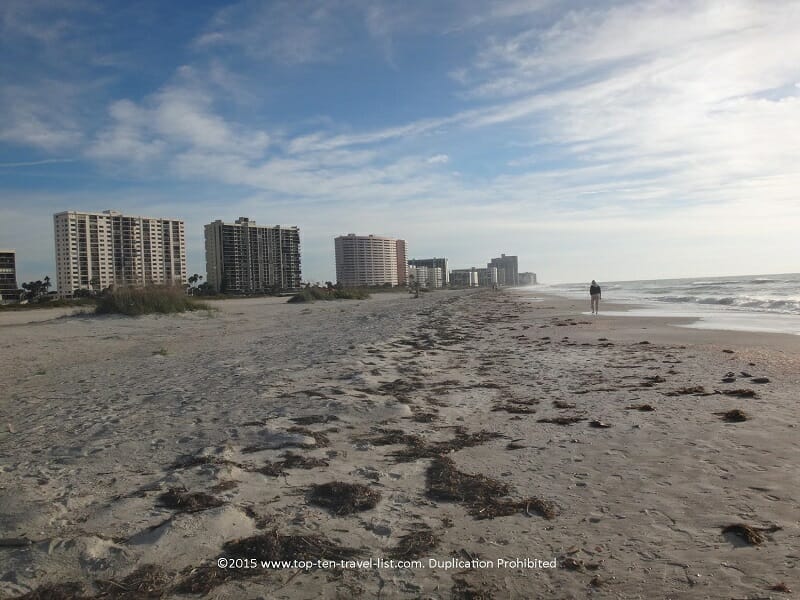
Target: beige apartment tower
{"x":96,"y":250}
{"x":366,"y":260}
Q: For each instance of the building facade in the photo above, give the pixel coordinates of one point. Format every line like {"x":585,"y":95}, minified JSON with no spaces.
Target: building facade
{"x":9,"y":290}
{"x":96,"y":250}
{"x":464,"y":277}
{"x":507,"y":269}
{"x":426,"y":277}
{"x":366,"y":260}
{"x":246,"y":258}
{"x":433,"y":263}
{"x":527,"y":278}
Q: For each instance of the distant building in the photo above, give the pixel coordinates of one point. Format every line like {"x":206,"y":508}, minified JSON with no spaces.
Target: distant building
{"x":402,"y":263}
{"x":9,"y":290}
{"x":427,"y":277}
{"x":246,"y":258}
{"x":464,"y":277}
{"x":96,"y":250}
{"x":527,"y":279}
{"x":432,"y":263}
{"x":366,"y":260}
{"x":507,"y":270}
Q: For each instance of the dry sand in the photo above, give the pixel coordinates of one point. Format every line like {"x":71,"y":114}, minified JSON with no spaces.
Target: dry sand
{"x":101,"y":416}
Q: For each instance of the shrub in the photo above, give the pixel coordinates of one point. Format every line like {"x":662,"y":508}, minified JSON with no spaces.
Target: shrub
{"x":134,"y":301}
{"x":313,"y":293}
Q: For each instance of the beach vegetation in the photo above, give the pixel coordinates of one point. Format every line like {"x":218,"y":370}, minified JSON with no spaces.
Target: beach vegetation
{"x":134,"y":301}
{"x":313,"y":293}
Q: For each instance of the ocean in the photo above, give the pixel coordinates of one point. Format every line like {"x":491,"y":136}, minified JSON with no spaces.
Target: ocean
{"x":747,"y":303}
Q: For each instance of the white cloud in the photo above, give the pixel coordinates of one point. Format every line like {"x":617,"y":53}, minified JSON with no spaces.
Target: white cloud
{"x":438,"y":159}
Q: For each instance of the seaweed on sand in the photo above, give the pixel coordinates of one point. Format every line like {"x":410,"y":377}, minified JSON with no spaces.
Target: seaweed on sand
{"x":741,"y":393}
{"x":733,"y":416}
{"x":270,"y":546}
{"x":641,"y":407}
{"x":342,"y":498}
{"x":313,"y":419}
{"x":416,"y":543}
{"x":514,"y":409}
{"x":697,"y":390}
{"x":185,"y":501}
{"x":148,"y":581}
{"x":418,"y":448}
{"x":483,"y":495}
{"x":562,"y":420}
{"x":463,"y":590}
{"x":752,"y":535}
{"x":562,"y":405}
{"x":320,"y":438}
{"x":56,"y":591}
{"x":274,"y":546}
{"x":298,"y":461}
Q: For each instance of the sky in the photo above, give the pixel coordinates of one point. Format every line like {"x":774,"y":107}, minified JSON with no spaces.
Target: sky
{"x":594,"y":140}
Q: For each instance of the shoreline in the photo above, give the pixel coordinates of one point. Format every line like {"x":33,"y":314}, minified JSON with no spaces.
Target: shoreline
{"x":101,"y":424}
{"x":703,"y":316}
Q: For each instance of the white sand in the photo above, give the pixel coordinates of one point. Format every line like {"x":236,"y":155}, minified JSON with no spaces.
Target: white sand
{"x":99,"y":414}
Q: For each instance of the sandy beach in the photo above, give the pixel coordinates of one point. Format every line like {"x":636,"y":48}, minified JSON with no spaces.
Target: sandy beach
{"x":513,"y":445}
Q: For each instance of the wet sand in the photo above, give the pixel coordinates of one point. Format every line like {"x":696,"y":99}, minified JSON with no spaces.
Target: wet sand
{"x":476,"y":427}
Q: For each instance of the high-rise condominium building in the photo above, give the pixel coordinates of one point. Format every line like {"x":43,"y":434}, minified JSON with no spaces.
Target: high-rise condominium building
{"x":96,"y":250}
{"x":507,"y":269}
{"x":433,"y":263}
{"x":245,"y":258}
{"x":8,"y":276}
{"x":426,"y":277}
{"x":363,"y":260}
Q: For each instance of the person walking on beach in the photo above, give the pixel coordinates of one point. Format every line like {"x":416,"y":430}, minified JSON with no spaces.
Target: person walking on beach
{"x":594,"y":293}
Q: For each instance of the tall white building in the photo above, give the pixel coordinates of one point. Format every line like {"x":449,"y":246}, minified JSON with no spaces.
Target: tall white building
{"x":96,"y":250}
{"x":426,"y":277}
{"x":245,"y":258}
{"x":364,"y":260}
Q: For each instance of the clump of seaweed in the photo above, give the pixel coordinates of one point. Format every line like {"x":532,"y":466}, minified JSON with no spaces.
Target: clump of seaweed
{"x":514,"y":409}
{"x":752,"y":535}
{"x":320,"y":438}
{"x":418,"y":448}
{"x":148,"y":581}
{"x":463,"y":590}
{"x":342,"y":498}
{"x":424,"y":417}
{"x":503,"y":508}
{"x":733,"y":416}
{"x":562,"y":420}
{"x":201,"y":580}
{"x":185,"y":501}
{"x":313,"y":419}
{"x":224,"y":486}
{"x":741,"y":393}
{"x":641,"y":407}
{"x":697,"y":390}
{"x":416,"y":543}
{"x":272,"y":546}
{"x":56,"y":591}
{"x":291,"y":461}
{"x":482,"y":495}
{"x":560,"y":404}
{"x":298,"y":461}
{"x":445,"y":482}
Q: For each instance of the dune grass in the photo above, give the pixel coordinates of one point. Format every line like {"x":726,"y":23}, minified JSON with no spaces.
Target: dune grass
{"x":313,"y":293}
{"x":134,"y":301}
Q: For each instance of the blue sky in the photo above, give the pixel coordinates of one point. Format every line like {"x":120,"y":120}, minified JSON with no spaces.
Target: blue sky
{"x":595,"y":140}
